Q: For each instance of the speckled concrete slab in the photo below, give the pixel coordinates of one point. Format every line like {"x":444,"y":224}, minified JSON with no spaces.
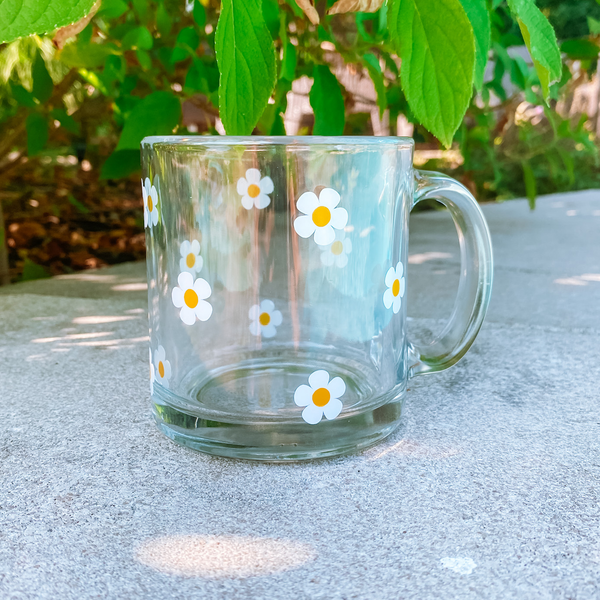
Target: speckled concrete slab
{"x":489,"y":490}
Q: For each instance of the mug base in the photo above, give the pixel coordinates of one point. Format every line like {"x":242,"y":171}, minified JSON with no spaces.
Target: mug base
{"x":279,"y":442}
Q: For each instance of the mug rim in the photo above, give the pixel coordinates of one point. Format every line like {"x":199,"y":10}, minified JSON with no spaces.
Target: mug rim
{"x":272,"y":140}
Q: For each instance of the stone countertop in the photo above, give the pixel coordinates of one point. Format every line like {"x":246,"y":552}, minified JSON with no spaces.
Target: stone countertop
{"x":490,"y":489}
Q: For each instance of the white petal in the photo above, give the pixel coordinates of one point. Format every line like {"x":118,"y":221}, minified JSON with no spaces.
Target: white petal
{"x":329,"y":198}
{"x":184,"y":249}
{"x":304,"y":226}
{"x":312,"y":414}
{"x":167,"y":369}
{"x":185,"y":281}
{"x":341,"y":261}
{"x":145,"y":217}
{"x":147,"y":185}
{"x":399,"y":270}
{"x":154,"y":215}
{"x":318,"y":379}
{"x":269,"y":330}
{"x":160,"y":355}
{"x":253,"y":175}
{"x":255,"y":328}
{"x":303,"y":395}
{"x":390,"y":277}
{"x":165,"y":382}
{"x":154,"y":196}
{"x":203,"y":310}
{"x":242,"y":186}
{"x":254,"y":312}
{"x":327,"y":258}
{"x":177,"y":297}
{"x":247,"y":202}
{"x":266,"y":185}
{"x":187,"y":315}
{"x":195,"y":246}
{"x":397,"y":304}
{"x":339,"y":218}
{"x":267,"y":306}
{"x":388,"y":298}
{"x":199,"y":263}
{"x":262,"y":201}
{"x":337,"y":387}
{"x":324,"y":235}
{"x":402,"y":287}
{"x":332,"y":409}
{"x":347,"y":245}
{"x":276,"y":318}
{"x":183,"y":265}
{"x":307,"y":203}
{"x":202,"y":288}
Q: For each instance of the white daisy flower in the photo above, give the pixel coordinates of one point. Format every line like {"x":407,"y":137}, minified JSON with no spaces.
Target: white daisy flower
{"x":161,"y":371}
{"x":396,"y":284}
{"x":265,"y":319}
{"x":190,"y":296}
{"x":320,"y":216}
{"x":337,"y":252}
{"x":320,"y":397}
{"x":254,"y":190}
{"x":152,"y":378}
{"x":190,"y":261}
{"x":150,"y":195}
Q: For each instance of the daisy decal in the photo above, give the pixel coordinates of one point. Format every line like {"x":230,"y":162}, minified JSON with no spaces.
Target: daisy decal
{"x":337,"y":252}
{"x":396,"y":283}
{"x":254,"y":190}
{"x":150,"y":195}
{"x":320,"y":216}
{"x":265,"y":319}
{"x":320,"y":397}
{"x":190,"y":261}
{"x":190,"y":295}
{"x":160,"y":368}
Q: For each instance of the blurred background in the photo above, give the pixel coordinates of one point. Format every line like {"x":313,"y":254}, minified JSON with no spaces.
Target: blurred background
{"x":74,"y":106}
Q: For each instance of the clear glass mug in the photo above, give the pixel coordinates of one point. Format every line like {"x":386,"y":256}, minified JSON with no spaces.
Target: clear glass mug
{"x":276,"y":271}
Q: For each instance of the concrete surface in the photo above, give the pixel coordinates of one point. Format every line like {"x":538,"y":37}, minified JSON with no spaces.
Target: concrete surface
{"x":489,"y":490}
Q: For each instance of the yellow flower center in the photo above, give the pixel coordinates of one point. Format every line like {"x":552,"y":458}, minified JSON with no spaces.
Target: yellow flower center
{"x":190,"y":298}
{"x":190,"y":260}
{"x":321,"y":397}
{"x":150,"y":203}
{"x":396,"y":287}
{"x":253,"y":190}
{"x":264,"y":319}
{"x":161,"y":368}
{"x":321,"y":216}
{"x":337,"y":248}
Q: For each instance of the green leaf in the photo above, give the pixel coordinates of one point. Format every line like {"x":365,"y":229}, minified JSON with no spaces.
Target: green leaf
{"x":115,"y":67}
{"x":530,"y":185}
{"x":157,"y":114}
{"x":196,"y":79}
{"x":436,"y":44}
{"x":540,"y":40}
{"x":270,"y":10}
{"x":87,"y":56}
{"x":164,"y":22}
{"x":519,"y":72}
{"x":19,"y":18}
{"x":580,"y":49}
{"x":199,"y":14}
{"x":66,"y":121}
{"x":36,"y":127}
{"x":141,"y":8}
{"x":480,"y":21}
{"x":22,"y":96}
{"x":374,"y":68}
{"x":139,"y":38}
{"x":289,"y":62}
{"x":121,"y":164}
{"x":593,"y":25}
{"x":82,"y":208}
{"x":33,"y":271}
{"x":112,"y":9}
{"x":246,"y":58}
{"x":327,"y":102}
{"x":187,"y":42}
{"x":42,"y":82}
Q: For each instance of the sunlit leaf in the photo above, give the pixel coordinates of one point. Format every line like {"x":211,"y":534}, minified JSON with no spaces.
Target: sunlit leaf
{"x":479,"y":17}
{"x":327,"y":102}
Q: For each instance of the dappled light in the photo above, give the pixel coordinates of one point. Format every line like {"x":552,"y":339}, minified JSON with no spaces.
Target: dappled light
{"x":223,"y":556}
{"x":579,"y":280}
{"x":99,"y":320}
{"x":419,"y":259}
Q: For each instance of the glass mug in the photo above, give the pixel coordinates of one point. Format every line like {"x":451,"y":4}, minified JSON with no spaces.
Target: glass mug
{"x":277,"y":307}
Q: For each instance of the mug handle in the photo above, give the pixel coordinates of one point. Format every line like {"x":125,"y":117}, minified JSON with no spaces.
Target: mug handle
{"x":476,"y":273}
